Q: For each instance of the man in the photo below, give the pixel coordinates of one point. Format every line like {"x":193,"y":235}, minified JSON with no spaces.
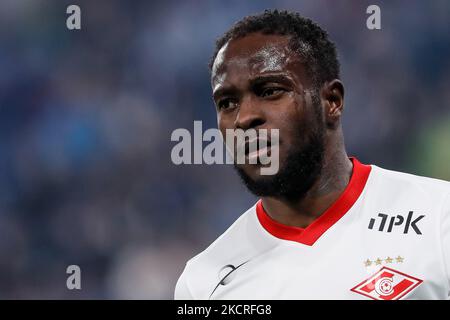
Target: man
{"x":326,"y":226}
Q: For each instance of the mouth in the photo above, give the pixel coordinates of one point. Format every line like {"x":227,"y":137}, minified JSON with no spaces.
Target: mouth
{"x":257,"y":148}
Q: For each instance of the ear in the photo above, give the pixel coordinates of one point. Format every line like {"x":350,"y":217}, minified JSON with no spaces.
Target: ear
{"x":333,"y":97}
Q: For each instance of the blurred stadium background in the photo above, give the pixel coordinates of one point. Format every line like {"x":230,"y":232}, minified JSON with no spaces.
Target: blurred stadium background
{"x":86,"y":118}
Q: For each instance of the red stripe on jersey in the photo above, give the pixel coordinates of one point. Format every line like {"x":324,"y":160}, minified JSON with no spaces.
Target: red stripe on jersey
{"x":318,"y":227}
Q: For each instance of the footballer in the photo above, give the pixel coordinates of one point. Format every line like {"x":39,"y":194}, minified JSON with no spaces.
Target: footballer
{"x":326,"y":226}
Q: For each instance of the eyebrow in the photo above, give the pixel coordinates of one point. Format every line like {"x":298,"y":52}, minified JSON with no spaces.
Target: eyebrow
{"x":281,"y":78}
{"x":224,"y":91}
{"x":256,"y":81}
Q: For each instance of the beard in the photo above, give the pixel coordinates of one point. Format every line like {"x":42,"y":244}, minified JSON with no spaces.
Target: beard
{"x":302,"y":166}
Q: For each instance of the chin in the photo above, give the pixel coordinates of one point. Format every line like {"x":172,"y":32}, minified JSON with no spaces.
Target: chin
{"x":253,"y":171}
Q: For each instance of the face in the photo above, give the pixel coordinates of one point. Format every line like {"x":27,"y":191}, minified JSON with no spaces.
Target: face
{"x":260,"y":83}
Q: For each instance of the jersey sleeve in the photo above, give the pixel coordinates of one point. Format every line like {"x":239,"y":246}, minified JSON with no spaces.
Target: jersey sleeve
{"x":182,"y":291}
{"x":445,"y":237}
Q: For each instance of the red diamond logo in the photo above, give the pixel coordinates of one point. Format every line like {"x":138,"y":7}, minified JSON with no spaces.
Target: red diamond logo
{"x":387,"y":284}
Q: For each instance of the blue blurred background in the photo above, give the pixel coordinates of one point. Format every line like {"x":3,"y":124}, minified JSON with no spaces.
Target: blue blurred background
{"x":86,"y":117}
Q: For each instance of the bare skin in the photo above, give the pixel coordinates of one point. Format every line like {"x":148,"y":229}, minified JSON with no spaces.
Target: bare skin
{"x":258,"y":82}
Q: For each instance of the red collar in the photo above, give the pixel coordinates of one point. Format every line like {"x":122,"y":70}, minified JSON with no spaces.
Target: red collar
{"x":314,"y":231}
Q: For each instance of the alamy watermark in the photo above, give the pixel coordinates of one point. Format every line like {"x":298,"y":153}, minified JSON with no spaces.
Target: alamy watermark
{"x":241,"y":147}
{"x":73,"y":281}
{"x":73,"y":21}
{"x":373,"y":21}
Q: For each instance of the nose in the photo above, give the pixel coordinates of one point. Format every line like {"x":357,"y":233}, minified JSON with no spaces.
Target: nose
{"x":249,"y":115}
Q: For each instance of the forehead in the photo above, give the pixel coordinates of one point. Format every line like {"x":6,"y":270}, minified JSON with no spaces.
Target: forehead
{"x":253,"y":55}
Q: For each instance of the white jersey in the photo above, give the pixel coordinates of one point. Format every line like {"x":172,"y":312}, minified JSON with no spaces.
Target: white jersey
{"x":387,"y":237}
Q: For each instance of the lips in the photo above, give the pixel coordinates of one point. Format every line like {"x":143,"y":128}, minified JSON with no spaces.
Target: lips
{"x":256,"y":148}
{"x":258,"y":153}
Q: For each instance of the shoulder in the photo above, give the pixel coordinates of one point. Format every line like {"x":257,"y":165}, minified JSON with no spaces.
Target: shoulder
{"x":397,"y":182}
{"x":407,"y":196}
{"x":238,"y":244}
{"x":231,"y":242}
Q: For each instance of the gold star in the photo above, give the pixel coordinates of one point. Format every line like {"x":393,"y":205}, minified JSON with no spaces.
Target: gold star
{"x":368,"y":263}
{"x":399,"y":259}
{"x":388,"y":260}
{"x":378,"y":261}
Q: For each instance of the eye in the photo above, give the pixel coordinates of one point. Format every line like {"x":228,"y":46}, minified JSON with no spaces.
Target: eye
{"x":226,"y":104}
{"x":271,"y":92}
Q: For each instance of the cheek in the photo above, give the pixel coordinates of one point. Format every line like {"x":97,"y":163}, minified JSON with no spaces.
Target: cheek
{"x":287,"y":116}
{"x":224,"y":123}
{"x":294,"y":124}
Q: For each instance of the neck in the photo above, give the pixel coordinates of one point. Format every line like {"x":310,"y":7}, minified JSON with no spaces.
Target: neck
{"x":329,"y":185}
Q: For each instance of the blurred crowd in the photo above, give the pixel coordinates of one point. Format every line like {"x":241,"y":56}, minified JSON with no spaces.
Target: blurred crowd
{"x":86,"y":117}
